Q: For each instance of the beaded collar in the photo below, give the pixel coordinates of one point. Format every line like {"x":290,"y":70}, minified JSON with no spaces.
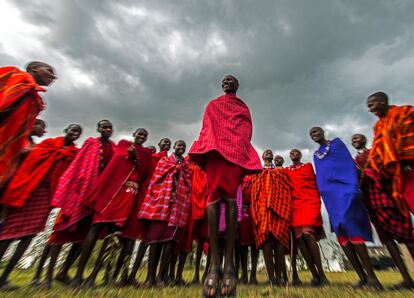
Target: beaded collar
{"x":324,"y":153}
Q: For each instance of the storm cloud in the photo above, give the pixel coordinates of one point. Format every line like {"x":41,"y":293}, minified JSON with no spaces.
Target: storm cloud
{"x":157,"y":63}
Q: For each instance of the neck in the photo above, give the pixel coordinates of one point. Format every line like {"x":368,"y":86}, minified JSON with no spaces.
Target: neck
{"x":323,"y":142}
{"x":296,"y":162}
{"x":67,"y":142}
{"x":104,"y":139}
{"x":178,"y":157}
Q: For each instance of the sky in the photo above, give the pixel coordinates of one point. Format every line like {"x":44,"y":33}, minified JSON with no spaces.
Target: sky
{"x":156,"y":64}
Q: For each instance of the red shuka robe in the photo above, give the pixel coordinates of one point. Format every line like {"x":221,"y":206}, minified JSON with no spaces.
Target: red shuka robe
{"x":134,"y":228}
{"x":77,"y":181}
{"x":19,"y":106}
{"x":227,"y":128}
{"x":305,"y":196}
{"x":39,"y":161}
{"x":120,"y":169}
{"x":167,"y":200}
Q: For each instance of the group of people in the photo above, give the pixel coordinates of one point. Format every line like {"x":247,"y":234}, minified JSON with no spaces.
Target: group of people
{"x":221,"y":195}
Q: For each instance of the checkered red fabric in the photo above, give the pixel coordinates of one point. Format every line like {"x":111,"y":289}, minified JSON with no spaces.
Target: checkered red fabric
{"x":384,"y":210}
{"x":168,"y":197}
{"x":271,"y":206}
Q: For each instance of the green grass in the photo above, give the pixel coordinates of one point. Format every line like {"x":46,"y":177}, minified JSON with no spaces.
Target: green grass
{"x":340,"y":287}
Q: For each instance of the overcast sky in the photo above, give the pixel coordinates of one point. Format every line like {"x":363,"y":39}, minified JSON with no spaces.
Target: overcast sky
{"x":156,"y":64}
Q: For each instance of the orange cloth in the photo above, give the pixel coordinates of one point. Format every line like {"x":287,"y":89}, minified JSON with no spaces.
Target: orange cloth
{"x":19,"y":106}
{"x":37,"y":164}
{"x":393,"y":143}
{"x":271,"y":205}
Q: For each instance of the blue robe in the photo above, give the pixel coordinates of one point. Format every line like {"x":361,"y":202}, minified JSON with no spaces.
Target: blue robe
{"x":337,"y":178}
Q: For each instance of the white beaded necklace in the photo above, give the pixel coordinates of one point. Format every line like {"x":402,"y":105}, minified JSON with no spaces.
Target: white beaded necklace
{"x":325,"y":152}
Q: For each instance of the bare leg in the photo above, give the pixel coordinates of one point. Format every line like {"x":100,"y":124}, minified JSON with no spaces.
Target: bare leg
{"x":279,"y":256}
{"x":142,"y":248}
{"x":73,"y":254}
{"x":4,"y":245}
{"x":38,"y":274}
{"x":212,"y":278}
{"x":126,"y":252}
{"x":244,"y":250}
{"x":295,"y":276}
{"x":86,"y":250}
{"x":353,"y":258}
{"x":168,"y":247}
{"x":237,"y":258}
{"x":54,"y":253}
{"x":396,"y":256}
{"x":229,"y":281}
{"x":170,"y":276}
{"x":268,"y":258}
{"x":309,"y":261}
{"x":253,"y":255}
{"x":90,"y":281}
{"x":199,"y":253}
{"x":154,"y":253}
{"x":207,"y":268}
{"x":181,"y":263}
{"x":20,"y":250}
{"x":316,"y":257}
{"x":362,"y":252}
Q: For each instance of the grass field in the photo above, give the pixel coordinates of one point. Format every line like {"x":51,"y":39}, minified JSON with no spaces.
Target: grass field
{"x":340,"y":287}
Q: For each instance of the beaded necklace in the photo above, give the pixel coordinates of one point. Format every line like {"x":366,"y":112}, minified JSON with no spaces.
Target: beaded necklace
{"x":296,"y":166}
{"x":325,"y":152}
{"x":101,"y":160}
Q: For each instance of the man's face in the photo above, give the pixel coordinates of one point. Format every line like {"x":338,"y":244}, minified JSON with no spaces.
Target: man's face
{"x":44,"y":75}
{"x":39,"y":129}
{"x":358,"y":141}
{"x":279,"y":161}
{"x":165,"y":144}
{"x":295,"y":155}
{"x":316,"y":134}
{"x":179,"y":148}
{"x":105,"y":129}
{"x":73,"y":132}
{"x":377,"y":106}
{"x":229,"y":84}
{"x":267,"y":155}
{"x":140,"y":136}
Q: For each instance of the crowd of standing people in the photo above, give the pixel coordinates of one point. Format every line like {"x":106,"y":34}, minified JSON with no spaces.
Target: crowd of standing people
{"x":220,"y":195}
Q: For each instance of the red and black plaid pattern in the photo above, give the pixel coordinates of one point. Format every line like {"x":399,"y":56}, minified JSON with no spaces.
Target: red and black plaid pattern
{"x":168,"y":197}
{"x":29,"y":219}
{"x":271,"y":206}
{"x":388,"y":219}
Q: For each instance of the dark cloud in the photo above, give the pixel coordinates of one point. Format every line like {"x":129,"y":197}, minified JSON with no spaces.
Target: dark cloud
{"x":157,"y":63}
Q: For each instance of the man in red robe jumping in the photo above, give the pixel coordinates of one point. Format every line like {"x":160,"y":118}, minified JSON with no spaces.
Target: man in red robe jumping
{"x":224,"y":150}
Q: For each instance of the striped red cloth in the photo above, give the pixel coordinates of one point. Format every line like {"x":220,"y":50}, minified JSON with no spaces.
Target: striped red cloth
{"x":74,"y":186}
{"x":19,"y":106}
{"x":227,"y":128}
{"x":34,"y":168}
{"x":271,"y":206}
{"x":168,"y":197}
{"x":306,"y":200}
